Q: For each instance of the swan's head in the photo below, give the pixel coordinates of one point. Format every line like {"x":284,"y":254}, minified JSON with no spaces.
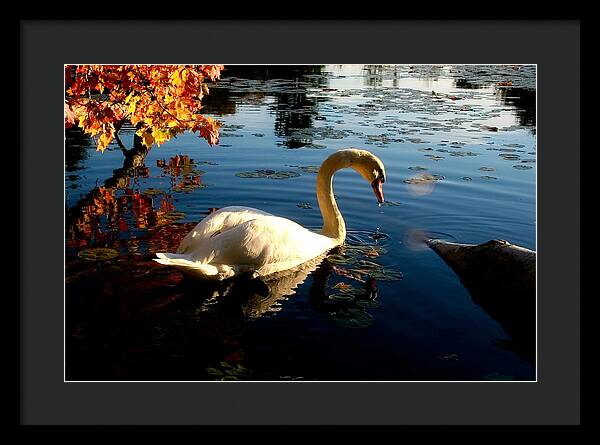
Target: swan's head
{"x":370,"y":167}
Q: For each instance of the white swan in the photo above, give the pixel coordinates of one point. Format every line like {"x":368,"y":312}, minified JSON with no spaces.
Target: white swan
{"x":239,"y":240}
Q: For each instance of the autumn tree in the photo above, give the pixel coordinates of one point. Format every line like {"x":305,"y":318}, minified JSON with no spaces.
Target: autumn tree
{"x":160,"y":101}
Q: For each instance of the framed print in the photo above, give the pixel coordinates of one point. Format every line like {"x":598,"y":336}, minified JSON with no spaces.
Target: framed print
{"x":284,"y":214}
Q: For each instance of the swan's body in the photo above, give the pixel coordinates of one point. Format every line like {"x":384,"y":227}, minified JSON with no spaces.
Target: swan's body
{"x":238,"y":240}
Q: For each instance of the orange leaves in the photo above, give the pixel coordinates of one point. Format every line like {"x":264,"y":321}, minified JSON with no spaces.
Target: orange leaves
{"x":105,"y":139}
{"x":97,"y":118}
{"x":210,"y":132}
{"x":213,"y":72}
{"x":69,"y":116}
{"x":156,"y":136}
{"x":208,"y":129}
{"x":161,"y":136}
{"x":147,"y":138}
{"x":162,"y":100}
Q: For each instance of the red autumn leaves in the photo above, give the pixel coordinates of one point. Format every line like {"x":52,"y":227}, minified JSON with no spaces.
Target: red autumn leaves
{"x":161,"y":101}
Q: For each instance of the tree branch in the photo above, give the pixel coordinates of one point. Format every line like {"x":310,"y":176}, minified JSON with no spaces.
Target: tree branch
{"x":123,"y":148}
{"x":118,"y":139}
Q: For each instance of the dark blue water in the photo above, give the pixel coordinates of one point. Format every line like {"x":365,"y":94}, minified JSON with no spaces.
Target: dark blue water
{"x":456,"y":122}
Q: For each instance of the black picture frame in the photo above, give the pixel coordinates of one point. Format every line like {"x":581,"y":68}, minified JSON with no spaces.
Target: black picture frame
{"x":45,"y":399}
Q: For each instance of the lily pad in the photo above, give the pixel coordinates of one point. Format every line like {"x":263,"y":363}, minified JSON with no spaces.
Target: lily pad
{"x":348,"y":273}
{"x":372,"y":253}
{"x":270,"y":174}
{"x":487,"y":169}
{"x":509,"y":157}
{"x":344,"y":287}
{"x":417,"y":168}
{"x":463,"y":153}
{"x":386,"y":274}
{"x":340,"y":259}
{"x":310,"y":168}
{"x":304,"y":205}
{"x":489,"y":128}
{"x":340,"y":297}
{"x":489,"y":178}
{"x":317,"y":146}
{"x":466,"y":178}
{"x":368,"y":304}
{"x":173,"y":216}
{"x":215,"y":372}
{"x":424,"y":178}
{"x":229,"y":372}
{"x":153,"y":192}
{"x":352,"y":318}
{"x":522,"y":167}
{"x":348,"y":289}
{"x":283,"y":175}
{"x":98,"y":254}
{"x":376,"y":271}
{"x":254,"y":174}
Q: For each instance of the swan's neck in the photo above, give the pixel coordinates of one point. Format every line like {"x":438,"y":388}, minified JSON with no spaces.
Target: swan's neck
{"x":333,"y":222}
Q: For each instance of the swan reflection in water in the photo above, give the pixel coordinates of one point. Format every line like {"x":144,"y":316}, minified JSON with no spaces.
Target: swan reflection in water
{"x":256,"y":296}
{"x":260,"y":296}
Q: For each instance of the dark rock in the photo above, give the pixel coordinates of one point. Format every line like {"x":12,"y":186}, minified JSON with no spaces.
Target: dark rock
{"x":501,"y":278}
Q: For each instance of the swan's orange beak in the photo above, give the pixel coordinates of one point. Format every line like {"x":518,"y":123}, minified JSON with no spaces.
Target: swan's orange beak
{"x":377,"y":185}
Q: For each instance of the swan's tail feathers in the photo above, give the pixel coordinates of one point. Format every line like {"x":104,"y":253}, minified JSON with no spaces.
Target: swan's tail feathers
{"x":195,"y":268}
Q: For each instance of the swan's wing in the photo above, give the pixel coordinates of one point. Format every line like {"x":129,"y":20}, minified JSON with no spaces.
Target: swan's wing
{"x":220,"y":221}
{"x":264,"y":245}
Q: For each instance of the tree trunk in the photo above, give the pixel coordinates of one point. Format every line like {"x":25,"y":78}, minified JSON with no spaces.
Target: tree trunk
{"x":134,"y":160}
{"x":132,"y":164}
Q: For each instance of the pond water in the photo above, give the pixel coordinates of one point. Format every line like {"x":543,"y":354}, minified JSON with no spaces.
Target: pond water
{"x":459,"y":147}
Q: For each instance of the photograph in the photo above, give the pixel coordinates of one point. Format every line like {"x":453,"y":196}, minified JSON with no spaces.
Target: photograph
{"x":300,"y":223}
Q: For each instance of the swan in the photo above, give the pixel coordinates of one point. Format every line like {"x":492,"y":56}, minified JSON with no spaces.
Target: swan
{"x":239,"y":240}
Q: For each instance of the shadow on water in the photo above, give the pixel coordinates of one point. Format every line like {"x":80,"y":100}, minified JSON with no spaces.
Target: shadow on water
{"x":515,"y":86}
{"x":467,"y":85}
{"x":524,"y":100}
{"x":288,"y":85}
{"x":219,"y":102}
{"x":77,"y":145}
{"x":373,"y":75}
{"x":130,"y":319}
{"x":500,"y":278}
